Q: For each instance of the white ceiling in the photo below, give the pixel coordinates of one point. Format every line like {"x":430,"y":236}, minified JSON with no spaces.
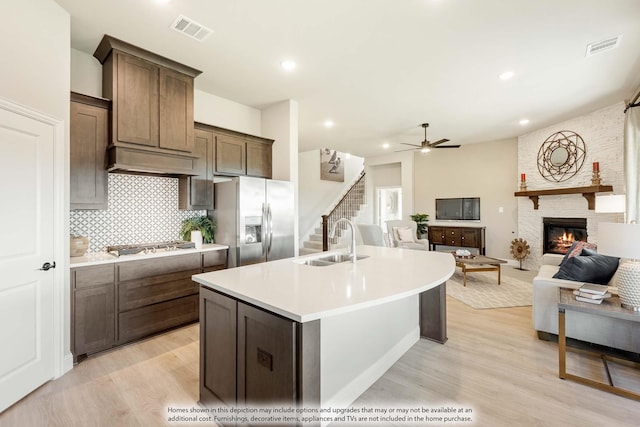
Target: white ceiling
{"x":379,"y":68}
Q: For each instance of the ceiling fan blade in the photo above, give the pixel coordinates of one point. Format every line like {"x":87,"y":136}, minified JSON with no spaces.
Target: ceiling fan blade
{"x":408,"y":149}
{"x":413,"y":145}
{"x":447,"y":146}
{"x":438,"y":142}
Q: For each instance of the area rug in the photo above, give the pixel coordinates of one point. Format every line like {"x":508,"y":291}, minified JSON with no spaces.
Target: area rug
{"x":482,"y":290}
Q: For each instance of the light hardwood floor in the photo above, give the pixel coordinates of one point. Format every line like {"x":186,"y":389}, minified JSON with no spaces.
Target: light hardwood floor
{"x":492,"y":363}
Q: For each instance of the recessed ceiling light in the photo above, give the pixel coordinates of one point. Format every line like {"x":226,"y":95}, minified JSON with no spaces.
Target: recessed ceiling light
{"x":328,"y":123}
{"x":506,"y":75}
{"x":524,"y":122}
{"x":288,"y":65}
{"x":385,"y":145}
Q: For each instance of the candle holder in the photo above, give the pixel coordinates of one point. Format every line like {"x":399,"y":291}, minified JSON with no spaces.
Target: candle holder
{"x":523,"y":185}
{"x":595,"y":178}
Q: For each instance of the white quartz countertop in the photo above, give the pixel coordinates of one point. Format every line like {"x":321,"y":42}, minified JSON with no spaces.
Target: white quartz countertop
{"x":97,"y":258}
{"x":304,"y":293}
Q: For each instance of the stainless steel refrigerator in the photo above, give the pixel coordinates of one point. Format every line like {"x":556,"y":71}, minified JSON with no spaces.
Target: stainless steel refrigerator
{"x":255,"y":217}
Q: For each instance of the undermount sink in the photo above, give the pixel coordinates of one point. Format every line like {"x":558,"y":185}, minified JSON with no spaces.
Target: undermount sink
{"x":332,"y":259}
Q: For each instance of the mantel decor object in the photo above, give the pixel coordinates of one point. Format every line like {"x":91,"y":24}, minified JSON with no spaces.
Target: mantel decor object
{"x":595,"y":179}
{"x":561,"y":156}
{"x":523,"y":182}
{"x":622,"y":240}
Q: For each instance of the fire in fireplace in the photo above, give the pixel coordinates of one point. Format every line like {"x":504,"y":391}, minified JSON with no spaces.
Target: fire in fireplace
{"x":560,"y":233}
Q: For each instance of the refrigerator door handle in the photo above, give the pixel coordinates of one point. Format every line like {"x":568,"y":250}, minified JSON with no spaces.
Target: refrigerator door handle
{"x":270,"y":227}
{"x":263,"y":230}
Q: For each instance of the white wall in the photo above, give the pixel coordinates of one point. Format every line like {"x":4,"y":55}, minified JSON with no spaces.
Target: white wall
{"x":216,"y":111}
{"x":487,"y":170}
{"x":35,"y":73}
{"x":316,"y":195}
{"x":86,"y":74}
{"x":377,"y":163}
{"x":280,"y":122}
{"x":385,"y":175}
{"x":602,"y":132}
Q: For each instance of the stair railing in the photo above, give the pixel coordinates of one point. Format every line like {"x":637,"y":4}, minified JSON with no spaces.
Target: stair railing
{"x":353,"y":199}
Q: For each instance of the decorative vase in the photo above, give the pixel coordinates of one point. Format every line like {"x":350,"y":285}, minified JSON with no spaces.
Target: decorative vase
{"x":78,"y":245}
{"x":196,"y":237}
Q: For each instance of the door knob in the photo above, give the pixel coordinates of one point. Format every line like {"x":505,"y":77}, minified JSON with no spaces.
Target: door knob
{"x":47,"y":266}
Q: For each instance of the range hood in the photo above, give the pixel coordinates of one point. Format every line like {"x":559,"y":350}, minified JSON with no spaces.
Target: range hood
{"x":131,"y":160}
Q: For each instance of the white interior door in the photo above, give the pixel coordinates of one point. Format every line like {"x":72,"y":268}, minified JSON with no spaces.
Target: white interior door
{"x":27,"y":231}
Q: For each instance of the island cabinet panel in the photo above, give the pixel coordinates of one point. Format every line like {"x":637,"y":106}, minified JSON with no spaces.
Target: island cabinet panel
{"x":218,"y":326}
{"x":266,"y":357}
{"x":459,"y":236}
{"x":92,"y":310}
{"x":89,"y":136}
{"x":156,"y":294}
{"x":250,"y":355}
{"x":230,"y":154}
{"x":433,"y":314}
{"x":196,"y":192}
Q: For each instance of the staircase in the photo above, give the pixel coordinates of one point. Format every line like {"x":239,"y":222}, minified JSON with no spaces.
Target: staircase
{"x":348,"y":207}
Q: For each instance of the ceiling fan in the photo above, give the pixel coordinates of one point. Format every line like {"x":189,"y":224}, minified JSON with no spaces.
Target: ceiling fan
{"x":426,"y":146}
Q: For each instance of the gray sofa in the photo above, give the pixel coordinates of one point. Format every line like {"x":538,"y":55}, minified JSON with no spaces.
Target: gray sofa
{"x":620,"y":334}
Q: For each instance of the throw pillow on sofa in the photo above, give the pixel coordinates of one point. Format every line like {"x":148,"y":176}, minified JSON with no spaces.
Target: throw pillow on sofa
{"x":576,"y":249}
{"x":590,"y":267}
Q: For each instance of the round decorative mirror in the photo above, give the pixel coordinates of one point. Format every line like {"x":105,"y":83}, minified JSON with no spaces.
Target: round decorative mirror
{"x":561,"y":156}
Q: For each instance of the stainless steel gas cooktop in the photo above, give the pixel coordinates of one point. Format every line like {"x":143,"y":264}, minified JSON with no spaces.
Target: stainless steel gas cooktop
{"x":150,"y":248}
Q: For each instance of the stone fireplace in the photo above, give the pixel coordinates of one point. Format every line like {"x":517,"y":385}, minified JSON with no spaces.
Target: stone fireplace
{"x":560,"y":233}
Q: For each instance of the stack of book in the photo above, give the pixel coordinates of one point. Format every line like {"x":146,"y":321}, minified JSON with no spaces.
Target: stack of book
{"x":591,"y":293}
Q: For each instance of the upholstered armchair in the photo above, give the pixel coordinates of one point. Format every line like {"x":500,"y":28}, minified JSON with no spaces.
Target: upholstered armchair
{"x":402,"y":234}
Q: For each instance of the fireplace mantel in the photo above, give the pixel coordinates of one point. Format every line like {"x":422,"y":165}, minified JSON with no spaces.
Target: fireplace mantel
{"x":588,"y":193}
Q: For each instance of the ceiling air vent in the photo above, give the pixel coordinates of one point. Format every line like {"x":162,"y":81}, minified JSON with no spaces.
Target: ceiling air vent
{"x":191,"y":28}
{"x":603,"y":45}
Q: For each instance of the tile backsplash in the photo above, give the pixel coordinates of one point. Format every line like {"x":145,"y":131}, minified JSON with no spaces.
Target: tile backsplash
{"x":141,"y":209}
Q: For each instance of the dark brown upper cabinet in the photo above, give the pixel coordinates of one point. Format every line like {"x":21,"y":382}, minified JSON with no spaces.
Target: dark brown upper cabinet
{"x":196,"y":192}
{"x":152,"y":111}
{"x":241,"y":154}
{"x":89,"y":136}
{"x":258,"y":157}
{"x":231,"y":152}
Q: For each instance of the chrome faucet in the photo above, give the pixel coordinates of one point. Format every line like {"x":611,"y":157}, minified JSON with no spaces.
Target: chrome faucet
{"x":353,"y":236}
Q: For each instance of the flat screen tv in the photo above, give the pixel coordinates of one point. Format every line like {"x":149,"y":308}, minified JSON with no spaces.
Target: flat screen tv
{"x":461,"y":208}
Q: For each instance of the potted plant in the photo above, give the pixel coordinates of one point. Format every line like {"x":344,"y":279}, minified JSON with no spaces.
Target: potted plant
{"x":204,"y":224}
{"x":421,"y":220}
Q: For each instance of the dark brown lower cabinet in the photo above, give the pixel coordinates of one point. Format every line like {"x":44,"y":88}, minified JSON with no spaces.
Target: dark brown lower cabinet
{"x":156,"y":294}
{"x":433,"y":314}
{"x":250,"y":356}
{"x":218,"y":326}
{"x":117,"y":303}
{"x":266,"y":358}
{"x":92,"y":309}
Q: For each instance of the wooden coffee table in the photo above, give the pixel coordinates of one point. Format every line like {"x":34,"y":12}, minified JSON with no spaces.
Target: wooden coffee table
{"x":477,"y":263}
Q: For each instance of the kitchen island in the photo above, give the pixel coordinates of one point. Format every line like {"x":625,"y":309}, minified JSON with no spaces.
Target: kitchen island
{"x":284,"y":332}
